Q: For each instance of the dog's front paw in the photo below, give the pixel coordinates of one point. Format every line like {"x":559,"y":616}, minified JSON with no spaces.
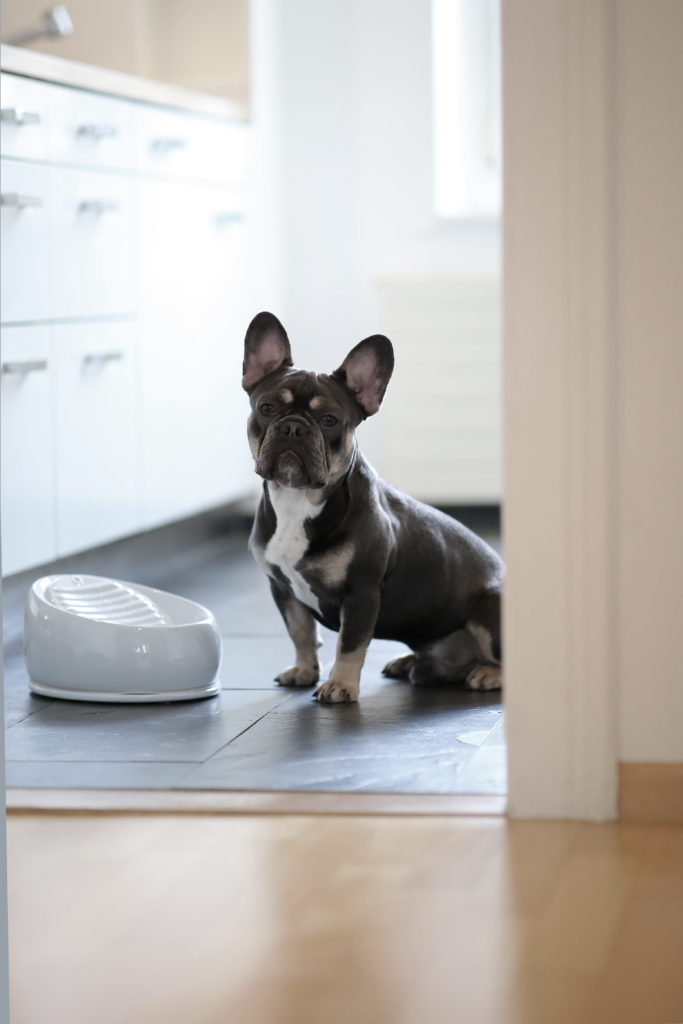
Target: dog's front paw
{"x":485,"y":677}
{"x":336,"y":692}
{"x":296,"y":676}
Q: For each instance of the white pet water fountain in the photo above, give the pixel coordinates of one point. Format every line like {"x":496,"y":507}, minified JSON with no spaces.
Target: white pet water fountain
{"x":98,"y":639}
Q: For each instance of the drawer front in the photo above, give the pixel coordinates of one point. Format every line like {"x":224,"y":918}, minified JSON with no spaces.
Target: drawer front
{"x":178,"y":145}
{"x":26,"y":245}
{"x":27,"y":471}
{"x":97,"y":438}
{"x":89,"y":130}
{"x":25,"y":117}
{"x":93,"y":218}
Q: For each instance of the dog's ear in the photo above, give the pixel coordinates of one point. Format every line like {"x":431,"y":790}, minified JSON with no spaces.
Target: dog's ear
{"x":266,"y":348}
{"x":367,"y":370}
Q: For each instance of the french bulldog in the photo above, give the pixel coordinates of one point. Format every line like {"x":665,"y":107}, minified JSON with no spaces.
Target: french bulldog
{"x":344,"y":548}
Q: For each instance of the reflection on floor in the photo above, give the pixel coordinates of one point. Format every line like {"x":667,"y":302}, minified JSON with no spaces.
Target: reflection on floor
{"x":253,"y":735}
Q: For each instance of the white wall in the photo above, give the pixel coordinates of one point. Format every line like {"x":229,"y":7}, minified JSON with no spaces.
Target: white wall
{"x":354,"y":111}
{"x":202,"y":45}
{"x":649,"y":278}
{"x":267,"y":202}
{"x":355,"y":107}
{"x":110,"y":35}
{"x":318,"y":108}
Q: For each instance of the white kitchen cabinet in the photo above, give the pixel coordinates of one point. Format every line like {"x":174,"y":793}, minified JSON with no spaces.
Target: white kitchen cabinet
{"x":93,"y":231}
{"x":68,"y":246}
{"x":124,"y":254}
{"x":193,"y":406}
{"x":96,"y":433}
{"x":27,"y":431}
{"x":26,"y":268}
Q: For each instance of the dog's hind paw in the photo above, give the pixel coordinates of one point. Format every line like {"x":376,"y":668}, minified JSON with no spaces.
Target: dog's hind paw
{"x":485,"y":677}
{"x":399,"y":668}
{"x":298,"y":677}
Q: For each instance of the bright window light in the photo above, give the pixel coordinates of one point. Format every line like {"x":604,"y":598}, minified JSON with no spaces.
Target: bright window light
{"x":467,"y":107}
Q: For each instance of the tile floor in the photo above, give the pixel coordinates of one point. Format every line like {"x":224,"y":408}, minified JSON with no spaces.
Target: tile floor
{"x":252,"y":735}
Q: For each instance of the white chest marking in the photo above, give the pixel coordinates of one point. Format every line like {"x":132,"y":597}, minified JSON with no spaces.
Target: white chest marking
{"x":287,"y":546}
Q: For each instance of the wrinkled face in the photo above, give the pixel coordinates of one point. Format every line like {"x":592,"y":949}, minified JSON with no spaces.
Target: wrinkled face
{"x":301,"y":428}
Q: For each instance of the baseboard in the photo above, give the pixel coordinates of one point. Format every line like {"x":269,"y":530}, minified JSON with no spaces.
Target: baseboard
{"x":651,"y":792}
{"x":252,"y":802}
{"x":485,"y":518}
{"x":145,"y":548}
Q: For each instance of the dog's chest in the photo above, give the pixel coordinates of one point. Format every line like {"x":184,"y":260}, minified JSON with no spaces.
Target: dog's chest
{"x":287,"y":547}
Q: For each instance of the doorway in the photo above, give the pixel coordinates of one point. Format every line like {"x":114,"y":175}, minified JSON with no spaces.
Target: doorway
{"x":368,"y":248}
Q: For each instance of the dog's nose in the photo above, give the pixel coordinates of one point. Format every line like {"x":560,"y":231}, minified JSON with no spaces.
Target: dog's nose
{"x":293,"y":428}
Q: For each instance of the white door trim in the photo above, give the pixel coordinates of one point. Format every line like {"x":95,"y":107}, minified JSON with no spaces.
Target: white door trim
{"x":560,"y":410}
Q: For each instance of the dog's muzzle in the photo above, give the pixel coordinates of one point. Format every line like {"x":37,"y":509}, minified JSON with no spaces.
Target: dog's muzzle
{"x":293,"y":454}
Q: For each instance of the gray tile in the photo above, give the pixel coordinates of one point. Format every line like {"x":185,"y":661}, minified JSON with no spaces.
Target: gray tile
{"x":497,"y":735}
{"x":253,"y":662}
{"x":20,"y":703}
{"x":378,"y":654}
{"x":396,"y":739}
{"x":486,"y":772}
{"x":487,"y":769}
{"x":97,"y":774}
{"x":253,"y":735}
{"x":187,"y":731}
{"x":235,"y":590}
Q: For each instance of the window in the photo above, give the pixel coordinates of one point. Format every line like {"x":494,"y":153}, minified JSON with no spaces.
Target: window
{"x":467,"y":107}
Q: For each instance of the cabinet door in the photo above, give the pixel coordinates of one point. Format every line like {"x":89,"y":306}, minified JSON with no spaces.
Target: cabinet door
{"x":93,"y":218}
{"x":97,"y":437}
{"x":27,"y":475}
{"x":26,"y":264}
{"x":194,"y":316}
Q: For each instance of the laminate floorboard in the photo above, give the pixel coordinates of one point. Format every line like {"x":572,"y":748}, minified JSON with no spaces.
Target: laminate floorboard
{"x":205,"y":919}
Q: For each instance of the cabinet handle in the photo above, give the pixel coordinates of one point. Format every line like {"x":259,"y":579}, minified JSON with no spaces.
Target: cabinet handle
{"x":19,"y":202}
{"x":98,"y":131}
{"x":14,"y":115}
{"x":99,"y":206}
{"x":24,"y":366}
{"x":100,"y":358}
{"x":166,"y":145}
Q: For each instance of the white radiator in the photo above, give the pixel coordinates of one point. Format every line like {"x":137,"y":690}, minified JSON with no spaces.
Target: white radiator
{"x":440,"y":426}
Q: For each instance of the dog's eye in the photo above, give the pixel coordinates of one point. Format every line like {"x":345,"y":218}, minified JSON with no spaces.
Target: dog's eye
{"x":266,"y":409}
{"x":330,"y":420}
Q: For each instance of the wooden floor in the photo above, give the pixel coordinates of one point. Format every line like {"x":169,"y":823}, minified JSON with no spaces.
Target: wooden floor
{"x":263,"y":919}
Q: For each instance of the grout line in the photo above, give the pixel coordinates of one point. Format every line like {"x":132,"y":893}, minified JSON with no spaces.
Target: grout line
{"x":285,"y":697}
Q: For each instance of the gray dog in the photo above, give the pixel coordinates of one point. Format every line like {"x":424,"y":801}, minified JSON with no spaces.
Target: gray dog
{"x":341,"y":546}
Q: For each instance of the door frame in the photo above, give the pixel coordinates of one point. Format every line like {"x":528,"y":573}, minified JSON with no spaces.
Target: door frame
{"x":560,"y":407}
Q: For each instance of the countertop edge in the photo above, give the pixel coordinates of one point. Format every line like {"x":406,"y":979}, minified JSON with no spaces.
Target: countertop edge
{"x":31,"y":64}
